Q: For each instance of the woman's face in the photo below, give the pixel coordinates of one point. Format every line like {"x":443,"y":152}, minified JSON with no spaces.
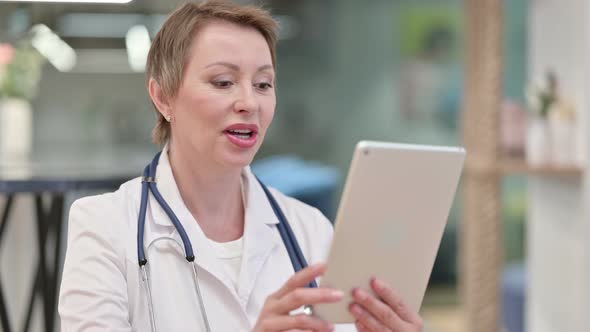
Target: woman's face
{"x":226,"y":100}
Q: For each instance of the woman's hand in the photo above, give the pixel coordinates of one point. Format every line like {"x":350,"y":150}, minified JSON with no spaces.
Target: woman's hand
{"x":294,"y":294}
{"x":387,"y":313}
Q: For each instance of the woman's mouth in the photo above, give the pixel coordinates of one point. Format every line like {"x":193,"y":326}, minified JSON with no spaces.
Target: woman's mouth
{"x":241,"y":133}
{"x":243,"y":138}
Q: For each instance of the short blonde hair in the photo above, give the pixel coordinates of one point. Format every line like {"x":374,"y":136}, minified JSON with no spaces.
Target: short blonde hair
{"x":169,"y":52}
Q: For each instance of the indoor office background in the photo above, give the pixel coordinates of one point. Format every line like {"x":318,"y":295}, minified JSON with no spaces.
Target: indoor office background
{"x":347,"y":70}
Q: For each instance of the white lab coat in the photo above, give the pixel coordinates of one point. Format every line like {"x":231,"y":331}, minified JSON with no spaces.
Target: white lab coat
{"x":101,"y":287}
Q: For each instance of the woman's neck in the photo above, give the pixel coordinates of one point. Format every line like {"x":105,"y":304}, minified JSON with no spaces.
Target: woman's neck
{"x":212,"y":194}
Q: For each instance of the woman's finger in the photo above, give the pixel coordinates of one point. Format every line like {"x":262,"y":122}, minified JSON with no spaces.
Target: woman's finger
{"x":303,"y":296}
{"x":297,"y":322}
{"x":301,"y":279}
{"x":360,"y":327}
{"x":367,"y":320}
{"x":394,"y":300}
{"x":376,"y":308}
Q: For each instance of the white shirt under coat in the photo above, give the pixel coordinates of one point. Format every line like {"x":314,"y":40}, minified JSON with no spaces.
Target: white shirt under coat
{"x":101,"y":287}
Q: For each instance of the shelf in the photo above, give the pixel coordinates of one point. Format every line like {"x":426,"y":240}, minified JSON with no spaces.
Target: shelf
{"x":509,"y":166}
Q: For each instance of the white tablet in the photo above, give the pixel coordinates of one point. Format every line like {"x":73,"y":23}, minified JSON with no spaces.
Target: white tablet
{"x":390,"y":221}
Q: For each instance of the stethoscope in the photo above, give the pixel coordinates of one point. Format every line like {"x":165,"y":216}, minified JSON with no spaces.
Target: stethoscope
{"x":148,"y":184}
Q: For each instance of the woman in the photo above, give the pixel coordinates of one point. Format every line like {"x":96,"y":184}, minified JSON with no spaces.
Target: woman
{"x":211,"y":76}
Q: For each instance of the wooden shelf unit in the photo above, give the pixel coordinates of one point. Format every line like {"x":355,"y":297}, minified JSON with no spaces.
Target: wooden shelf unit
{"x":511,"y":166}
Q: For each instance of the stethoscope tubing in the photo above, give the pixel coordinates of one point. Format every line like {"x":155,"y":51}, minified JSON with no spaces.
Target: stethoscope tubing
{"x":148,"y":290}
{"x":149,"y":184}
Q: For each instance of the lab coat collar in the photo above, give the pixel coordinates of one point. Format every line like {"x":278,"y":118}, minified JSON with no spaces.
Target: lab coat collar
{"x":257,"y":204}
{"x":169,"y":190}
{"x":260,"y":234}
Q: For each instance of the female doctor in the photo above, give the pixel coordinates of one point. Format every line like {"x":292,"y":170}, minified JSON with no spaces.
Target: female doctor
{"x":198,"y":243}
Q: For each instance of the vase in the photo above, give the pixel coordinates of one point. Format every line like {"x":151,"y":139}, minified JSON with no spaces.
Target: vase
{"x":563,"y":137}
{"x":538,"y":142}
{"x":16,"y":129}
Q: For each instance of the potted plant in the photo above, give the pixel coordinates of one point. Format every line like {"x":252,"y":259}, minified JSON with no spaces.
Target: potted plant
{"x":540,"y":98}
{"x":20,"y":72}
{"x":551,"y":132}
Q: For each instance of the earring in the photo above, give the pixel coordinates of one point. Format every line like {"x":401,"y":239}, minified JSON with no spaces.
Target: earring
{"x":168,"y":118}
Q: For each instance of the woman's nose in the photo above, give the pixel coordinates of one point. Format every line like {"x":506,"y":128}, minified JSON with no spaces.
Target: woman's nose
{"x":246,"y":101}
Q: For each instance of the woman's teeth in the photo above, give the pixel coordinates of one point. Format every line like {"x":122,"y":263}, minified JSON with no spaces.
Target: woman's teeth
{"x":241,"y":133}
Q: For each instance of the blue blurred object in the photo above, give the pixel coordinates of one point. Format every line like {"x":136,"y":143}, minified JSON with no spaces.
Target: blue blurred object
{"x":514,"y":297}
{"x":309,"y":182}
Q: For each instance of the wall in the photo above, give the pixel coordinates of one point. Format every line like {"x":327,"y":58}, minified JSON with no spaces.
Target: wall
{"x":558,"y":249}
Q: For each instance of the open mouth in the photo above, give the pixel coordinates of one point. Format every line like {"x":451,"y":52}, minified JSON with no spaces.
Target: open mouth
{"x":241,"y":133}
{"x":242,"y":137}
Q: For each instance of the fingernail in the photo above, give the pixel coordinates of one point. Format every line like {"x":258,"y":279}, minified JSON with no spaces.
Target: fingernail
{"x":361,"y":294}
{"x":337,"y":294}
{"x":378,"y":283}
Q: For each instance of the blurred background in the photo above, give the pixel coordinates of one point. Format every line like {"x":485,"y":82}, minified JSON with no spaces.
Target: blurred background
{"x":75,"y":119}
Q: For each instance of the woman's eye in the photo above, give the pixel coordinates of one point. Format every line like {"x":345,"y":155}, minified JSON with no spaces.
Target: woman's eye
{"x":222,"y":84}
{"x":263,"y":86}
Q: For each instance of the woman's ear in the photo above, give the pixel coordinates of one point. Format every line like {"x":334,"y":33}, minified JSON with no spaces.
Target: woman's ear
{"x":158,"y":97}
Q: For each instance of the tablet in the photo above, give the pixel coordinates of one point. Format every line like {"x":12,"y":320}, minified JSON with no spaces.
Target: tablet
{"x":390,"y":221}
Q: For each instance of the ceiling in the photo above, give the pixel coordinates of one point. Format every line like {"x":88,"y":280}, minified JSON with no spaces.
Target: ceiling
{"x":100,"y":37}
{"x":49,"y":13}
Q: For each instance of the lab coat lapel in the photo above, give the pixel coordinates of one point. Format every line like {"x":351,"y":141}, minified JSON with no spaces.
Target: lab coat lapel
{"x":260,"y":235}
{"x":162,"y":226}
